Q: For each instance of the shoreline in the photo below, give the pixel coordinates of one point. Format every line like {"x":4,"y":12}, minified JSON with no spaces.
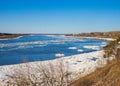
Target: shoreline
{"x":98,"y":38}
{"x":79,"y":65}
{"x":11,"y":38}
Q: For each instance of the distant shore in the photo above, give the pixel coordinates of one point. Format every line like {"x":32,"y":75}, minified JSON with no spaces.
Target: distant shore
{"x":99,"y":38}
{"x":9,"y":36}
{"x":109,"y":36}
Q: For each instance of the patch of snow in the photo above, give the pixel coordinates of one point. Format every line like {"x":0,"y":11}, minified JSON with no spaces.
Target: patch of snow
{"x":72,"y":48}
{"x":59,"y":55}
{"x":80,"y":50}
{"x":103,"y":45}
{"x":92,"y":47}
{"x":119,"y":42}
{"x":107,"y":39}
{"x":111,"y":57}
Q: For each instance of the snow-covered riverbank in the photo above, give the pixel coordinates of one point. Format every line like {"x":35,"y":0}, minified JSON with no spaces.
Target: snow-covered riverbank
{"x":99,"y":38}
{"x":79,"y":65}
{"x":107,"y":39}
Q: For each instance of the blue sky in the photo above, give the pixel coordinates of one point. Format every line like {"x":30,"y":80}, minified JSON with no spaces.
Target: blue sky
{"x":59,"y":16}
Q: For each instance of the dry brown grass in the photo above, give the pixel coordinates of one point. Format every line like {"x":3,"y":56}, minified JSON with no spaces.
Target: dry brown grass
{"x":108,"y":75}
{"x":111,"y":48}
